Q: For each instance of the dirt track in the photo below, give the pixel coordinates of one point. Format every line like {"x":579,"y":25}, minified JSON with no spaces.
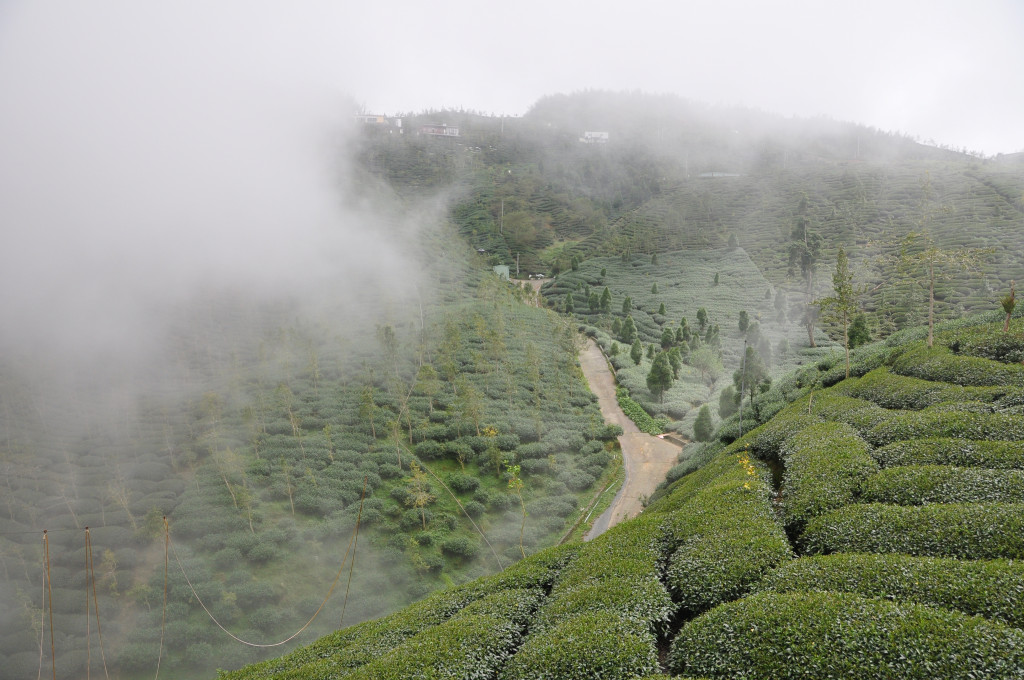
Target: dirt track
{"x":647,"y":459}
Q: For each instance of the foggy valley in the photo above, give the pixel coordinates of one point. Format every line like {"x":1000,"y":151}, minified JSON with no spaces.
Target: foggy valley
{"x":294,"y":301}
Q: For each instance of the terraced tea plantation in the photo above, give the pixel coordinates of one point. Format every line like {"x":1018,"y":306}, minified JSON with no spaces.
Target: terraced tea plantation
{"x":874,"y":528}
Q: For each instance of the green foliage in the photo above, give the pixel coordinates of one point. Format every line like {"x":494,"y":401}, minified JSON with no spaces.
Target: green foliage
{"x":920,"y":484}
{"x":660,"y":377}
{"x":636,"y":352}
{"x":703,"y":427}
{"x":637,"y":414}
{"x":826,"y":463}
{"x":990,"y":588}
{"x":858,"y":333}
{"x":893,"y":391}
{"x":844,"y":635}
{"x":593,"y":645}
{"x":724,"y":534}
{"x":628,"y":332}
{"x":945,"y":420}
{"x":938,"y":363}
{"x":1003,"y":455}
{"x":966,"y":531}
{"x":744,"y":322}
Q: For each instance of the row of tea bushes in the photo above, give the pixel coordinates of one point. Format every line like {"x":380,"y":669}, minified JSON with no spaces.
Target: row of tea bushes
{"x":894,"y":391}
{"x":842,"y":635}
{"x":920,"y":484}
{"x":940,"y":364}
{"x":826,"y":464}
{"x":724,"y":537}
{"x":990,"y":588}
{"x":966,"y":531}
{"x":1002,"y":455}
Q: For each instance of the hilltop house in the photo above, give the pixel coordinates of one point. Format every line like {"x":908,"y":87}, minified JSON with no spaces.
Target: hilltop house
{"x":439,"y":130}
{"x":594,"y":138}
{"x":378,"y":121}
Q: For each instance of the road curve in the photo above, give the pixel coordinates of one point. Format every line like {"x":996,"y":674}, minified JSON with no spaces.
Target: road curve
{"x":646,"y":458}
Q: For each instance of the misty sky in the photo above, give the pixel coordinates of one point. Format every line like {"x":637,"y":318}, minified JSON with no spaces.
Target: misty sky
{"x":149,"y":146}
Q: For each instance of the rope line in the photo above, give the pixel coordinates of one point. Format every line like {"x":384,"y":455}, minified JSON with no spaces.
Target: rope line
{"x":478,"y":529}
{"x":88,"y":604}
{"x":352,"y":564}
{"x":49,"y":586}
{"x":163,"y":615}
{"x":42,"y":628}
{"x":96,"y":601}
{"x":294,"y":635}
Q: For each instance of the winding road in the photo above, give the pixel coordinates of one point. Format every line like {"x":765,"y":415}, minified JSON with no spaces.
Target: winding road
{"x":646,"y":458}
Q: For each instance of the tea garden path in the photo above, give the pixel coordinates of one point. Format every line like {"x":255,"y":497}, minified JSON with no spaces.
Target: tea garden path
{"x":646,"y":458}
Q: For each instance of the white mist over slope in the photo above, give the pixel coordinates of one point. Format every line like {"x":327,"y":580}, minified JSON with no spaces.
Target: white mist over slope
{"x":151,"y":152}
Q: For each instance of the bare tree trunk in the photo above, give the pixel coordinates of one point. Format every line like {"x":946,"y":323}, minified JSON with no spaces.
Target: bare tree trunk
{"x":931,"y":304}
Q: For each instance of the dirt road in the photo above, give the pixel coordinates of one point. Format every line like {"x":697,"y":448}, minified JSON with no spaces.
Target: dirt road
{"x":645,"y":458}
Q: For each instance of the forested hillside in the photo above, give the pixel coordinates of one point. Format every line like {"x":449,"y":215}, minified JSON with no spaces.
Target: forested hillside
{"x":265,"y":432}
{"x":344,"y":452}
{"x":870,"y":530}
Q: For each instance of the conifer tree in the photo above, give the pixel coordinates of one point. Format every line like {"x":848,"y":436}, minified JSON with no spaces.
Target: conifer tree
{"x":660,"y":377}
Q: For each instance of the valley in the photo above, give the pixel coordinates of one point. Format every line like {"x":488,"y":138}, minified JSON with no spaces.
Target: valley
{"x":414,"y":453}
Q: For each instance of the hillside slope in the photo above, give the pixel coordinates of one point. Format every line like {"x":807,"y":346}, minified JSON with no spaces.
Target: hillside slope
{"x":889,"y":546}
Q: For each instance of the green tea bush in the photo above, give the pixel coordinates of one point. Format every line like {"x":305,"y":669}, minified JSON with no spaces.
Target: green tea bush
{"x":863,"y":415}
{"x":466,"y":646}
{"x":893,"y":391}
{"x":637,"y":414}
{"x":819,"y":635}
{"x":974,"y":531}
{"x":766,"y":440}
{"x":862,"y":360}
{"x":826,"y":463}
{"x":938,"y":363}
{"x":988,"y":342}
{"x":919,"y":484}
{"x":1003,"y":455}
{"x":960,"y":422}
{"x":587,"y":646}
{"x":990,"y":588}
{"x":723,"y":536}
{"x":644,"y":602}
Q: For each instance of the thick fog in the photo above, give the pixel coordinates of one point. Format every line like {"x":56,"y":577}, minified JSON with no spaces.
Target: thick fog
{"x":150,"y":156}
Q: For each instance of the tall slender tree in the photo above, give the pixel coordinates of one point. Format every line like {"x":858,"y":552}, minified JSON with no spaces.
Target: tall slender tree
{"x":920,"y":261}
{"x":841,"y":306}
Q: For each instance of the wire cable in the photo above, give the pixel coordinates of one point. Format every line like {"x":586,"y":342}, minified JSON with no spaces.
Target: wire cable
{"x":49,"y":586}
{"x":294,"y":635}
{"x":163,"y":614}
{"x":95,"y":599}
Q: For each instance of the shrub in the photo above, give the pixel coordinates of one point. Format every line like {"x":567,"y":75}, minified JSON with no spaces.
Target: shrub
{"x":593,"y":645}
{"x":460,"y":546}
{"x":954,"y":530}
{"x":987,"y":342}
{"x":890,"y":390}
{"x":940,"y":364}
{"x":942,"y":421}
{"x":576,"y":480}
{"x":724,"y":537}
{"x":463,"y":483}
{"x":466,"y":646}
{"x":991,"y":588}
{"x":429,"y":450}
{"x":825,"y":465}
{"x":644,"y":602}
{"x":801,"y":635}
{"x":863,"y":415}
{"x":919,"y":484}
{"x":948,"y":451}
{"x":637,"y":414}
